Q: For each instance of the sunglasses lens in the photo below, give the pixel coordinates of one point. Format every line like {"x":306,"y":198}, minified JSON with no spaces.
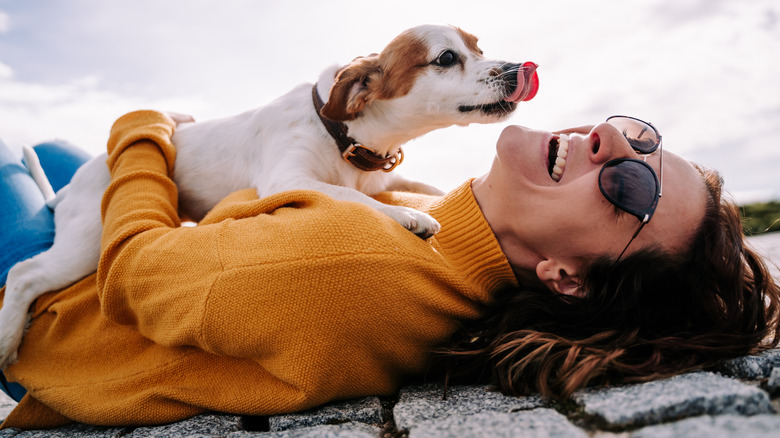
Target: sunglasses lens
{"x":640,"y":135}
{"x":631,"y":185}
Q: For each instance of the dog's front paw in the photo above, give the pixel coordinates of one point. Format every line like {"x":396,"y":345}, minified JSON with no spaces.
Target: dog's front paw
{"x":419,"y":223}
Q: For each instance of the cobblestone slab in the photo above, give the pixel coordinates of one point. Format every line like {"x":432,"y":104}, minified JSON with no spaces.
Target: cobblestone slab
{"x":345,"y":430}
{"x":75,"y":431}
{"x":537,"y":423}
{"x":210,"y":425}
{"x":367,"y":410}
{"x":752,"y":367}
{"x":724,"y":426}
{"x":774,"y":381}
{"x":670,"y":399}
{"x":424,"y":402}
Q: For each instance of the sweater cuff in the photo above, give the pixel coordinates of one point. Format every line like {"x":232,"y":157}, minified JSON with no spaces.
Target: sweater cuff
{"x":142,"y":125}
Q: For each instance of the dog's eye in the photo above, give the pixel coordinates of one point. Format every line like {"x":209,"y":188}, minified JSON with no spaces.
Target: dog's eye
{"x":447,"y":58}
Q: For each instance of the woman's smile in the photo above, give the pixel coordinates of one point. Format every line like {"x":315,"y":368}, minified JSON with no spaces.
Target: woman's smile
{"x":559,"y":151}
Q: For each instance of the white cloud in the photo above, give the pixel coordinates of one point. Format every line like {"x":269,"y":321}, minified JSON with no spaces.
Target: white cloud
{"x":5,"y":22}
{"x":6,"y":72}
{"x":79,"y":112}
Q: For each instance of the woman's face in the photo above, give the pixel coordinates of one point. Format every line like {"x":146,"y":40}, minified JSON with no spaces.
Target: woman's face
{"x":549,"y":230}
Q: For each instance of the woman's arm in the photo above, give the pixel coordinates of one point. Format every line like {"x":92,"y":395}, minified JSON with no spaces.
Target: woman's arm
{"x":251,"y":265}
{"x":146,"y":257}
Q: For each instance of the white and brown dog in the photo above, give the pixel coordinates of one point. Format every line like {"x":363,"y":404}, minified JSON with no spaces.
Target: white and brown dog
{"x":339,"y":136}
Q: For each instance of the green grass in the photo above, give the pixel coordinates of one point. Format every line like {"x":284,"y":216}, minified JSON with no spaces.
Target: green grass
{"x":761,"y":217}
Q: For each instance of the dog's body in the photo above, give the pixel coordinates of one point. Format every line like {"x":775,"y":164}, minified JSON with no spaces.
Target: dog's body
{"x":427,"y":78}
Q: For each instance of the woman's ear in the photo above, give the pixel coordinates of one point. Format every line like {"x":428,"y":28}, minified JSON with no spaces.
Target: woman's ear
{"x":559,"y":277}
{"x":352,"y":90}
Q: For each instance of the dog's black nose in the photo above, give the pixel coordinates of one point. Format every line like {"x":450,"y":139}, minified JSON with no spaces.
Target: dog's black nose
{"x":508,"y":72}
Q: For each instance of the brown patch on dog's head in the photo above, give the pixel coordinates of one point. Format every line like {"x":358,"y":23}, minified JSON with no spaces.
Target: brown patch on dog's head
{"x":388,"y":75}
{"x":470,"y":41}
{"x":350,"y":93}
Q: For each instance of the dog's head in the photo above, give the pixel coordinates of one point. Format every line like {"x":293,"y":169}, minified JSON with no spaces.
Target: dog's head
{"x":433,"y":72}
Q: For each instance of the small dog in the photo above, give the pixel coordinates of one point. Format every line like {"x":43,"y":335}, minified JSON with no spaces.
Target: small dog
{"x":429,"y":77}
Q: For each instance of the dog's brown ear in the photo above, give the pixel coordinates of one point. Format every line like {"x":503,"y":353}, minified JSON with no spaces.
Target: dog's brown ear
{"x":352,"y":90}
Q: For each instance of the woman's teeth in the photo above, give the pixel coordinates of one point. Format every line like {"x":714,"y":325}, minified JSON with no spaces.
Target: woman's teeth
{"x":560,"y":159}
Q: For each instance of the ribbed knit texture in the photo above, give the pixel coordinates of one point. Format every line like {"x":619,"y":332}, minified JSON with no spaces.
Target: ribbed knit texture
{"x":268,"y":306}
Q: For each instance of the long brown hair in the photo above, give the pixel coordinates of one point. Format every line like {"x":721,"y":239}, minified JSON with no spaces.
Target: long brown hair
{"x":652,"y":314}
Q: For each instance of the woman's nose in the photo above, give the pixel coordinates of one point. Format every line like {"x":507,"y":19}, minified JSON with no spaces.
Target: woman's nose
{"x":607,"y":143}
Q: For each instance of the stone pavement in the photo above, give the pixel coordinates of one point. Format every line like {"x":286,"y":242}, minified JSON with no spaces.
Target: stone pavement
{"x":739,"y":399}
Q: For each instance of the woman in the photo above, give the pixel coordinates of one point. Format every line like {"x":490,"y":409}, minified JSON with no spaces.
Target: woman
{"x":284,"y":303}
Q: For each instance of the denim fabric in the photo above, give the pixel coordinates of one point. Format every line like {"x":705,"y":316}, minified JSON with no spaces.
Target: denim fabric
{"x":26,"y":223}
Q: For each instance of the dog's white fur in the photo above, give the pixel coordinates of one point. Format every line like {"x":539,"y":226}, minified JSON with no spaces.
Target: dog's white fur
{"x":385,"y":100}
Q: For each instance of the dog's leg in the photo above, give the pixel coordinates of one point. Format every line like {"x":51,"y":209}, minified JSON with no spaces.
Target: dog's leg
{"x":27,"y":280}
{"x":413,"y":220}
{"x":401,"y":184}
{"x":73,"y":255}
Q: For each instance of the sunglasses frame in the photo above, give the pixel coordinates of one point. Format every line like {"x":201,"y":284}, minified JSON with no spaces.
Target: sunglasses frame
{"x":646,"y":214}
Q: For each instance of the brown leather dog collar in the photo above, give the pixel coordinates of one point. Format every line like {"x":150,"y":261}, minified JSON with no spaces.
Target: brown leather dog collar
{"x":360,"y":156}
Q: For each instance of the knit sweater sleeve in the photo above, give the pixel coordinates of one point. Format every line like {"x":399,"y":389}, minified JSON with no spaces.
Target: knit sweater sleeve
{"x":146,"y":256}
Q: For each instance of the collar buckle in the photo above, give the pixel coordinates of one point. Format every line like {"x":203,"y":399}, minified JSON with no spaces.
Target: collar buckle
{"x":350,"y":150}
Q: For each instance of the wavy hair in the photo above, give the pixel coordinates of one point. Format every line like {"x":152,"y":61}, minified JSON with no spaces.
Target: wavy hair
{"x":650,"y":315}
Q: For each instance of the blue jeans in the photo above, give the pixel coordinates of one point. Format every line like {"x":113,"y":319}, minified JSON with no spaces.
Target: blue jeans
{"x":26,"y":222}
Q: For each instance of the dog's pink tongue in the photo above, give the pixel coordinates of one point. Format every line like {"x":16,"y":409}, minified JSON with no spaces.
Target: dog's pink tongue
{"x":533,"y":85}
{"x":525,"y":91}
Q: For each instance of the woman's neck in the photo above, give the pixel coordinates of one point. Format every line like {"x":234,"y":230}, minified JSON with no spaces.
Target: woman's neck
{"x":506,"y":227}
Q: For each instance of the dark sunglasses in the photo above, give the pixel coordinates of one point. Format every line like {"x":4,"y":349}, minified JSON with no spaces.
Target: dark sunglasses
{"x":631,"y":184}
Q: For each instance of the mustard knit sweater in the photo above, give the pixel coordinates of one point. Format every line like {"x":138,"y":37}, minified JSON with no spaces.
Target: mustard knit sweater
{"x":267,"y":306}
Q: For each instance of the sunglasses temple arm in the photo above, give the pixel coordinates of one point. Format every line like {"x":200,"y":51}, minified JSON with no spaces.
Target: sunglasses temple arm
{"x":636,"y":233}
{"x":661,"y":171}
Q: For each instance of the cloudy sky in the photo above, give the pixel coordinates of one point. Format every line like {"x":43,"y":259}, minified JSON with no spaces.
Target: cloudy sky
{"x":705,"y":72}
